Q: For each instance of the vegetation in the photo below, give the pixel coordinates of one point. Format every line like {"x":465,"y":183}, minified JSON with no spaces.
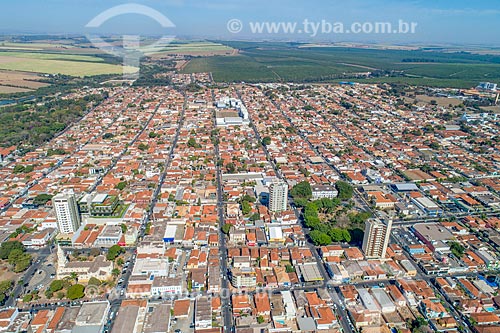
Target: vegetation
{"x":56,"y":285}
{"x":274,"y":61}
{"x":121,"y":185}
{"x":193,"y":144}
{"x":457,"y":249}
{"x":76,"y":291}
{"x":94,"y":282}
{"x":42,"y":199}
{"x":345,"y":190}
{"x":226,"y":228}
{"x":5,"y":287}
{"x":114,"y":251}
{"x":319,"y":238}
{"x":33,"y":124}
{"x":301,"y":190}
{"x":266,"y":141}
{"x":7,"y":247}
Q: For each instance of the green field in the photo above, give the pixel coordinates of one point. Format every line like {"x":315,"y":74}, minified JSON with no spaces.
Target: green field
{"x":288,"y":62}
{"x":195,"y":48}
{"x":56,"y":63}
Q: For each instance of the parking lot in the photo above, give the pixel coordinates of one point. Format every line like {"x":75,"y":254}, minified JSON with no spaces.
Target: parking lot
{"x":43,"y":276}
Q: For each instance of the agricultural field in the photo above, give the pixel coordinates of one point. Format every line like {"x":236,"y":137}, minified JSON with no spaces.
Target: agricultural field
{"x":12,"y":82}
{"x":189,"y":48}
{"x":48,"y":63}
{"x":294,"y":62}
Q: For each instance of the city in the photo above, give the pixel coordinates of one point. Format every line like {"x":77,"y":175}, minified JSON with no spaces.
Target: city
{"x":208,"y":175}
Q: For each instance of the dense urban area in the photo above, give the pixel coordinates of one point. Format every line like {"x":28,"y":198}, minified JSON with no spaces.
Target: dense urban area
{"x":183,"y":204}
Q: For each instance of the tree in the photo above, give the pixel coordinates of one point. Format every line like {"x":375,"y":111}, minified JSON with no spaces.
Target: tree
{"x":120,"y":262}
{"x":76,"y":291}
{"x":192,"y":143}
{"x":115,"y":272}
{"x":56,"y":285}
{"x":345,"y":190}
{"x":457,"y":249}
{"x":121,"y":185}
{"x":20,"y":260}
{"x":301,"y":190}
{"x":27,"y":298}
{"x":7,"y":247}
{"x":5,"y":287}
{"x":266,"y":141}
{"x":124,"y":227}
{"x":319,"y":238}
{"x":260,"y":319}
{"x":245,"y":207}
{"x":254,"y":217}
{"x":41,"y":199}
{"x":226,"y":228}
{"x":143,"y":147}
{"x":94,"y":282}
{"x":113,"y":252}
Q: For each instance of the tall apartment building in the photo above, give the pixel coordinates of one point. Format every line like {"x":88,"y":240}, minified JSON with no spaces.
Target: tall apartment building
{"x":376,"y":239}
{"x":66,"y":207}
{"x":278,"y":196}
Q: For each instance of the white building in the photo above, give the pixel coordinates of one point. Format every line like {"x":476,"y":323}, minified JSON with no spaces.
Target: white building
{"x":324,"y":191}
{"x":376,"y":239}
{"x":66,"y":208}
{"x":278,"y":196}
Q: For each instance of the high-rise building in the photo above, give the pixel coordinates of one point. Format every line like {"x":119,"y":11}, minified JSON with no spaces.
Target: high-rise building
{"x":376,"y":239}
{"x":66,"y":207}
{"x":278,"y":196}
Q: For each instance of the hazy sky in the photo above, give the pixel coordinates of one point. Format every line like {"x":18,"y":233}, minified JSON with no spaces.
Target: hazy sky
{"x":439,"y":21}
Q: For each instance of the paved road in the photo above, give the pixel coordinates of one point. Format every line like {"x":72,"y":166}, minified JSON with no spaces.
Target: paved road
{"x":227,"y":314}
{"x":61,"y":161}
{"x":343,"y":321}
{"x":42,"y":255}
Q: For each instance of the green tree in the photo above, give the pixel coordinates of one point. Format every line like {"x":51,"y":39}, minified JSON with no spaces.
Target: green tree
{"x":5,"y":288}
{"x":7,"y":247}
{"x":319,"y":238}
{"x":76,"y":291}
{"x":226,"y":228}
{"x":301,"y":190}
{"x":19,"y":260}
{"x":143,"y":147}
{"x":266,"y":141}
{"x":56,"y":285}
{"x":245,"y":207}
{"x":457,"y":249}
{"x":121,"y":185}
{"x":94,"y":282}
{"x":113,"y":252}
{"x":260,"y":319}
{"x":41,"y":199}
{"x":346,"y":191}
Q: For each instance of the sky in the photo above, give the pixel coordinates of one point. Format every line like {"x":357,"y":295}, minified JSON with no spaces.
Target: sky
{"x":462,"y":22}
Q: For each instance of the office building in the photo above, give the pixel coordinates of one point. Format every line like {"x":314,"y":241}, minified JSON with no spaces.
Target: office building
{"x":376,"y":239}
{"x":67,"y":214}
{"x":278,"y":196}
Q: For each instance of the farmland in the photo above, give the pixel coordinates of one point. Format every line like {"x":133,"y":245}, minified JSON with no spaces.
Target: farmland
{"x":11,"y":82}
{"x":74,"y":65}
{"x":292,"y":62}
